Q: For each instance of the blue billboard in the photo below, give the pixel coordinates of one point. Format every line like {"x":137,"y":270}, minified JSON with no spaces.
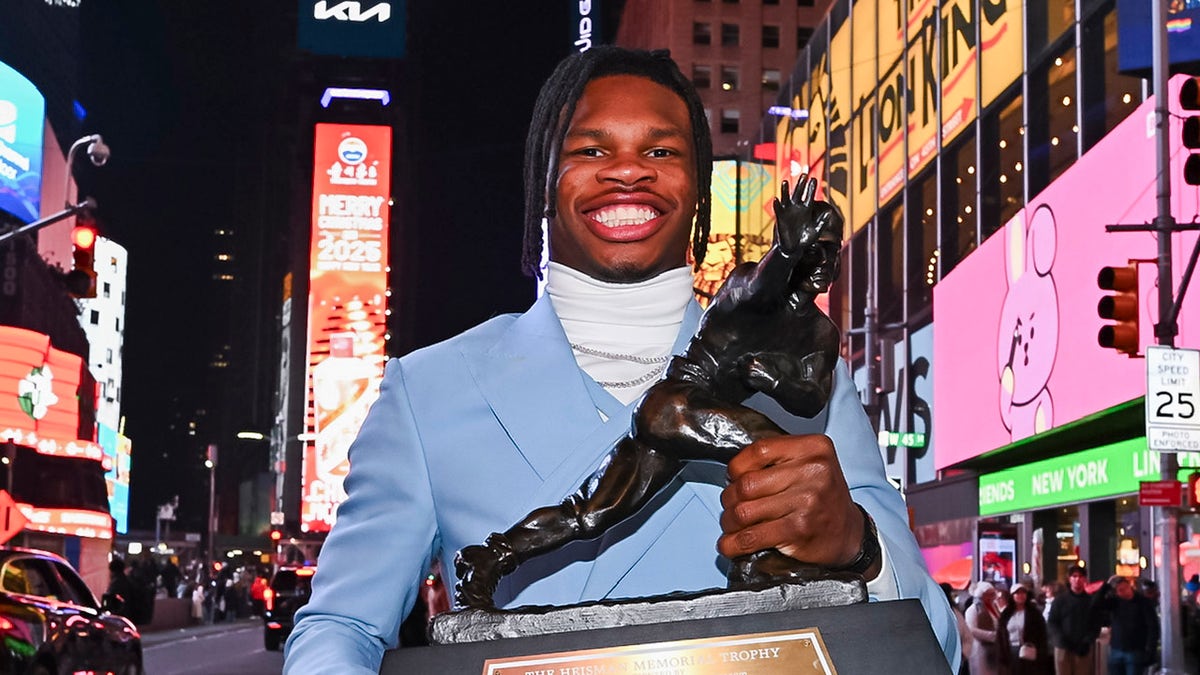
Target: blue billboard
{"x":116,"y":474}
{"x":1134,"y":39}
{"x":22,"y":116}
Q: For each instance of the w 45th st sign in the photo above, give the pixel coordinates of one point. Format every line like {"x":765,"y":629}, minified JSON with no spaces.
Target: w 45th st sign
{"x":1172,"y":399}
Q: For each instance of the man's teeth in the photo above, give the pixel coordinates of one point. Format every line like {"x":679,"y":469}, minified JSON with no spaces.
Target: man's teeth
{"x":624,"y":216}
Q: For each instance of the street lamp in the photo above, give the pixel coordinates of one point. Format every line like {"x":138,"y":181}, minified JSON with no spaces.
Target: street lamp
{"x":98,"y":152}
{"x":211,"y":464}
{"x":8,"y":459}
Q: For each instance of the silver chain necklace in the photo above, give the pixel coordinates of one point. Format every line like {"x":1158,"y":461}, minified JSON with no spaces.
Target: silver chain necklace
{"x":659,"y":361}
{"x":644,"y":360}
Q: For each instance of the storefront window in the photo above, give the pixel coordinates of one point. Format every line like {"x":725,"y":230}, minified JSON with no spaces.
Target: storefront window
{"x":859,"y":278}
{"x":923,"y":268}
{"x":1068,"y":537}
{"x":1048,"y":20}
{"x":1128,"y":553}
{"x":1053,"y":126}
{"x":1002,"y":165}
{"x":1108,"y":96}
{"x":891,"y":263}
{"x":959,"y":217}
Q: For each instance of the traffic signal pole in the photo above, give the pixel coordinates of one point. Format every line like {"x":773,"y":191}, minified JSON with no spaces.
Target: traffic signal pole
{"x":1164,"y":225}
{"x":86,"y":205}
{"x":1164,"y":331}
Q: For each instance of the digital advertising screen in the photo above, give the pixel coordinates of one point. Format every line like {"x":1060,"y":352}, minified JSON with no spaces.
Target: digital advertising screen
{"x":998,"y":554}
{"x":1016,"y":329}
{"x":116,"y":474}
{"x":40,"y":388}
{"x":743,"y":220}
{"x":22,"y":116}
{"x":346,"y":305}
{"x":1135,"y":54}
{"x":374,"y":28}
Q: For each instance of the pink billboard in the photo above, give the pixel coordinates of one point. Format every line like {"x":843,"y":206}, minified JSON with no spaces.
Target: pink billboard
{"x":1015,"y":324}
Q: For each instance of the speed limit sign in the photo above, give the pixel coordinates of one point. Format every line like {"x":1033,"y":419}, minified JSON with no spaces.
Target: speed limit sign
{"x":1173,"y":399}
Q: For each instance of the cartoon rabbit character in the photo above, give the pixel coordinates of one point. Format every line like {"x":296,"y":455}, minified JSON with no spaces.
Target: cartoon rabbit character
{"x":1027,"y":338}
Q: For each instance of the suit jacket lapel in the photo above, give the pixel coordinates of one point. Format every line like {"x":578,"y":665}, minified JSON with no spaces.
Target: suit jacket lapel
{"x":530,"y":379}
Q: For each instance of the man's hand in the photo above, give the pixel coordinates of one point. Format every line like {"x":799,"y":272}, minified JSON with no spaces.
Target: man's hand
{"x":795,"y":226}
{"x":788,"y":493}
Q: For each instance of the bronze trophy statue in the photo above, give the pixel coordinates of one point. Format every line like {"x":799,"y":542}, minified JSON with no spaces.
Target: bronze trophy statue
{"x":762,"y":332}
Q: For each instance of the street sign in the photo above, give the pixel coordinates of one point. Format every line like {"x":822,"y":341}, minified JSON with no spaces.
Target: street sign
{"x":1160,"y":493}
{"x":12,"y":520}
{"x":277,"y":518}
{"x":1172,"y":399}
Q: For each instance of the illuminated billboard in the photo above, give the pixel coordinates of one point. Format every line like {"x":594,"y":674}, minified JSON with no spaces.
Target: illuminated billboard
{"x":877,"y":90}
{"x":372,"y":28}
{"x":116,"y":474}
{"x":40,"y":387}
{"x":1015,"y":334}
{"x":743,"y":221}
{"x":346,"y":304}
{"x":22,"y":116}
{"x":1135,"y":54}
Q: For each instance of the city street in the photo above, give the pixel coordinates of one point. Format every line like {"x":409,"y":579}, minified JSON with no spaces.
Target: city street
{"x":225,"y":649}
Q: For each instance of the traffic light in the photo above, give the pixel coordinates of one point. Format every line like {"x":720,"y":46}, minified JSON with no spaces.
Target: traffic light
{"x":1193,"y":491}
{"x":1121,"y":307}
{"x":1189,"y":101}
{"x":81,"y":280}
{"x":276,"y":535}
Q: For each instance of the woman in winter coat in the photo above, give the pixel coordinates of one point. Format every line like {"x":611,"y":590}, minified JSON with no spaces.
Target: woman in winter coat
{"x":982,"y":619}
{"x":1022,"y":646}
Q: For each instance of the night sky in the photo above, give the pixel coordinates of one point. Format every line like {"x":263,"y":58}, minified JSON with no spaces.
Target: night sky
{"x":184,"y":94}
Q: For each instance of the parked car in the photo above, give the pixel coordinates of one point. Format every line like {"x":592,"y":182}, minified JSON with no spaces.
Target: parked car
{"x":289,"y":591}
{"x":51,"y":623}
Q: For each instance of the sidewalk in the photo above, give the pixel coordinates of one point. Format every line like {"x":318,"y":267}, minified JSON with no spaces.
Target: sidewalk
{"x":198,"y":630}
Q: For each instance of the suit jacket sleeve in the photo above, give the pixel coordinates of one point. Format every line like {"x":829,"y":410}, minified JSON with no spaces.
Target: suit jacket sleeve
{"x":357,"y":604}
{"x":862,"y":464}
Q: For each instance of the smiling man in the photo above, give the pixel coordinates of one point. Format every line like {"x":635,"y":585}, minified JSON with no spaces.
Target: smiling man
{"x":470,"y":434}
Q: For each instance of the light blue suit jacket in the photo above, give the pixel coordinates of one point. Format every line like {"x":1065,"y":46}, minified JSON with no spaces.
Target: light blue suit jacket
{"x":471,"y":434}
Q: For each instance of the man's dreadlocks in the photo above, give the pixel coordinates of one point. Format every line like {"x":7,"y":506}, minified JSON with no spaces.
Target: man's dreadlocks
{"x":553,"y":112}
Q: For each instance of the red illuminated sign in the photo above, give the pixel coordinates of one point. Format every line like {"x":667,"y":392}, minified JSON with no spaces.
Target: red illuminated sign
{"x":1160,"y":493}
{"x":39,"y":395}
{"x":72,"y":522}
{"x":347,"y":299}
{"x":12,"y":520}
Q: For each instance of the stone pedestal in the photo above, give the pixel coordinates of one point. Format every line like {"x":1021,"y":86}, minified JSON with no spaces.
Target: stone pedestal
{"x":825,"y":624}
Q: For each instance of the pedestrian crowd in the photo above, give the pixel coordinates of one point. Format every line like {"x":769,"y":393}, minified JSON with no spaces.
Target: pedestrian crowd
{"x":1061,"y":629}
{"x":227,"y":593}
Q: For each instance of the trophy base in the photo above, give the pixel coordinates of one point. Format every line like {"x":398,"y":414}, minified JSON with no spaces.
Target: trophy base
{"x":478,"y":625}
{"x":891,"y":637}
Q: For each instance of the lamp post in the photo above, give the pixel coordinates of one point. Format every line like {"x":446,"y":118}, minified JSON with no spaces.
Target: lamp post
{"x":211,"y":463}
{"x":98,"y":152}
{"x":9,"y":459}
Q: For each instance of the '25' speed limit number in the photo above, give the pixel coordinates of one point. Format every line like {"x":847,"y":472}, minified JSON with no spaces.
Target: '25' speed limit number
{"x":1172,"y":399}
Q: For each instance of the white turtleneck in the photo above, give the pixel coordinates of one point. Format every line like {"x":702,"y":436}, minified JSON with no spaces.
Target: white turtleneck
{"x":639,"y":320}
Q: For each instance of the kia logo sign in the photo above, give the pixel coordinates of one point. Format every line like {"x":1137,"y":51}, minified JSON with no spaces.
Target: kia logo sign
{"x":371,"y":28}
{"x":351,"y":11}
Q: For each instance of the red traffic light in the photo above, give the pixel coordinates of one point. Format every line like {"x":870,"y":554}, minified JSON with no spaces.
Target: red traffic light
{"x":1121,"y":307}
{"x":1193,"y":490}
{"x":83,"y":236}
{"x":276,"y":535}
{"x":81,"y":280}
